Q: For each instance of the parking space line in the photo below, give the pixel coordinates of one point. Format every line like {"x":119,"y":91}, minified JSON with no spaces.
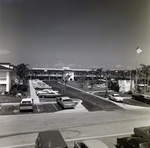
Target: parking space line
{"x":105,"y":136}
{"x":55,"y":107}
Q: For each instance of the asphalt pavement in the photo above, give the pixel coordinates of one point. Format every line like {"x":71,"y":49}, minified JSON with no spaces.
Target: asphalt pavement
{"x":85,"y":103}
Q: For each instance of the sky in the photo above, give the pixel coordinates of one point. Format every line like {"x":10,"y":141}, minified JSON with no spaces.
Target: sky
{"x":75,"y":33}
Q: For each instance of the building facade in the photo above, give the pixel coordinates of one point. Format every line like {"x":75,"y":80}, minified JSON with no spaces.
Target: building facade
{"x":60,"y":73}
{"x":5,"y":77}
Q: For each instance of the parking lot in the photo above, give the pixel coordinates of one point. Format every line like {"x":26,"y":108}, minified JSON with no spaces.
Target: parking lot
{"x":86,"y":100}
{"x":43,"y":107}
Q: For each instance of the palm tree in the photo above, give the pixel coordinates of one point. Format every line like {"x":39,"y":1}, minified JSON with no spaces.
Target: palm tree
{"x":92,"y":73}
{"x":132,"y":77}
{"x":99,"y":73}
{"x":145,"y":73}
{"x":107,"y":81}
{"x":22,"y":71}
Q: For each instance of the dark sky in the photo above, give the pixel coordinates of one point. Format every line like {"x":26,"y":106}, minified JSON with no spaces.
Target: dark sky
{"x":75,"y":33}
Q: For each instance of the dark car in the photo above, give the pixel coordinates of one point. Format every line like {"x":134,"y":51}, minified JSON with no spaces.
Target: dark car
{"x":50,"y":139}
{"x":141,"y":97}
{"x":132,"y":142}
{"x":143,"y":132}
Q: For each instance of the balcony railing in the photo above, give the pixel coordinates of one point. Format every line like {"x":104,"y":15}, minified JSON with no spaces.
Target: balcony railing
{"x":2,"y":78}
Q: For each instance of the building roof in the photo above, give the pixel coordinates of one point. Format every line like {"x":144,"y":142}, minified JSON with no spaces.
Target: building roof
{"x":4,"y":68}
{"x":5,"y":63}
{"x":60,"y":69}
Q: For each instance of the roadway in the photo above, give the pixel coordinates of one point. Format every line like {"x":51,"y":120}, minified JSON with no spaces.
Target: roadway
{"x":104,"y":120}
{"x":21,"y":130}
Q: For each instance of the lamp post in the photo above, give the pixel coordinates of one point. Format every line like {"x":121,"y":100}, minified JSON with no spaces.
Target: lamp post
{"x":138,"y":50}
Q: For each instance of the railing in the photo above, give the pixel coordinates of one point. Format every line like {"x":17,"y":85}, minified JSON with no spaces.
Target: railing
{"x":2,"y":78}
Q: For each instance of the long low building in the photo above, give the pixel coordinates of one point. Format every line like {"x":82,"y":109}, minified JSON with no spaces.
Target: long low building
{"x":59,"y":73}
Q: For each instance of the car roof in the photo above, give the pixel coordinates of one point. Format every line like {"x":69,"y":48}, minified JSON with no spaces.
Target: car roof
{"x":94,"y":143}
{"x":137,"y":140}
{"x":52,"y":139}
{"x":26,"y":99}
{"x":142,"y":131}
{"x":65,"y":97}
{"x":115,"y":94}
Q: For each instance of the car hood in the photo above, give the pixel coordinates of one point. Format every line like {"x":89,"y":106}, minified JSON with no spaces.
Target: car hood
{"x":94,"y":143}
{"x":69,"y":103}
{"x":119,"y":98}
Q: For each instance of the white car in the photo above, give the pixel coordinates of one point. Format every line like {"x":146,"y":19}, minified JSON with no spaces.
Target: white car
{"x":90,"y":143}
{"x":46,"y":91}
{"x":26,"y":104}
{"x":65,"y":102}
{"x":116,"y":97}
{"x":51,"y":94}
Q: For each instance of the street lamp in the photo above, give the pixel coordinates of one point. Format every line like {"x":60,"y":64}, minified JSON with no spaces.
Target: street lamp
{"x":138,"y":50}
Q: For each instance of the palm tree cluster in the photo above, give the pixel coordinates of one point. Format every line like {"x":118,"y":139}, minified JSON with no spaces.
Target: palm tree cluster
{"x":144,"y":75}
{"x":22,"y":71}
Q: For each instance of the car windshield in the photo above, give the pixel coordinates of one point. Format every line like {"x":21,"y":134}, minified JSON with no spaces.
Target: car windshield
{"x":26,"y":102}
{"x":66,"y":100}
{"x":51,"y":93}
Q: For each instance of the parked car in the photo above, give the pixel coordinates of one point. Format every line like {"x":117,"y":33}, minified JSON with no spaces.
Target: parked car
{"x":143,"y":132}
{"x":45,"y":91}
{"x":26,"y":104}
{"x":50,"y":139}
{"x":141,"y":97}
{"x":116,"y":97}
{"x":49,"y":94}
{"x":65,"y":102}
{"x":90,"y":143}
{"x":40,"y":87}
{"x":132,"y":142}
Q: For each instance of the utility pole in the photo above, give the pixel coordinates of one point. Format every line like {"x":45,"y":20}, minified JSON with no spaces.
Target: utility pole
{"x":138,"y":50}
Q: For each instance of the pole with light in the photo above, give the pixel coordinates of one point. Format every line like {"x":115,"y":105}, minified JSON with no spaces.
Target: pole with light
{"x":138,"y":50}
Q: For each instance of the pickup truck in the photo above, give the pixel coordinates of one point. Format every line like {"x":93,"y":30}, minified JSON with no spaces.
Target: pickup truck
{"x":26,"y":104}
{"x":50,"y":139}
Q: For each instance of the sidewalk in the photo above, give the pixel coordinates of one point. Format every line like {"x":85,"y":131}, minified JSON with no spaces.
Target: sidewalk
{"x":33,"y":94}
